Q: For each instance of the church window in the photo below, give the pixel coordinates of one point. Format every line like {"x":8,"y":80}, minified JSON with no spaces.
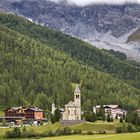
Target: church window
{"x":77,"y":96}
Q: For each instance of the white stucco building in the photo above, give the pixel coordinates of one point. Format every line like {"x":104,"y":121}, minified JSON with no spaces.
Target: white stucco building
{"x":113,"y":110}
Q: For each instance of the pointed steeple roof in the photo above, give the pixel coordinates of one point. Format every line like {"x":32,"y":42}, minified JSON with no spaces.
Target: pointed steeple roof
{"x":53,"y":104}
{"x":77,"y":90}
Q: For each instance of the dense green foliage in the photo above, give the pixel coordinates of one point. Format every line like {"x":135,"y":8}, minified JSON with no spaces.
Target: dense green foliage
{"x":117,"y":54}
{"x":56,"y":116}
{"x":89,"y":116}
{"x":126,"y":129}
{"x":15,"y":133}
{"x":33,"y":72}
{"x":133,"y":117}
{"x":77,"y":49}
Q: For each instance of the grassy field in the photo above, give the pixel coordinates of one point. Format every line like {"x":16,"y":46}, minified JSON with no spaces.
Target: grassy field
{"x":38,"y":129}
{"x":95,"y":127}
{"x":134,"y":136}
{"x":98,"y":126}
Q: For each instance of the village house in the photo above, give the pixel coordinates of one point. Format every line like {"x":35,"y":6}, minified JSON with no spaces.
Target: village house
{"x":34,"y":113}
{"x":18,"y":114}
{"x":112,"y":110}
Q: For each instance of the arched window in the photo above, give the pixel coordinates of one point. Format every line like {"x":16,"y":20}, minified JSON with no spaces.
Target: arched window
{"x":77,"y":96}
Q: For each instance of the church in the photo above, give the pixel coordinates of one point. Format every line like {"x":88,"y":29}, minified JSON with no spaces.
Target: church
{"x":72,"y":111}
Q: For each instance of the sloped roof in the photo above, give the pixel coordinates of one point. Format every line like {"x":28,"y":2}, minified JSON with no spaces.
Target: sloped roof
{"x":70,"y":104}
{"x":77,"y":90}
{"x":15,"y":108}
{"x":107,"y":106}
{"x":35,"y":109}
{"x":26,"y":108}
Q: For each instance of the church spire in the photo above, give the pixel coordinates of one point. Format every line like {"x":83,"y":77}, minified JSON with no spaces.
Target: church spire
{"x":77,"y":90}
{"x":53,"y":108}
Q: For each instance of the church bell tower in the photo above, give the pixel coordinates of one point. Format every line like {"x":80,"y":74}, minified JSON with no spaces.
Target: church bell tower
{"x":77,"y":101}
{"x":77,"y":97}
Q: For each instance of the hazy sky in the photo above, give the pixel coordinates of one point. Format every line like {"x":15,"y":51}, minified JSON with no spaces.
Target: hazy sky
{"x":88,"y":2}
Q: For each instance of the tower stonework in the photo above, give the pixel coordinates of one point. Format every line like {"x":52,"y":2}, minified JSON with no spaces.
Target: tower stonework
{"x":77,"y":101}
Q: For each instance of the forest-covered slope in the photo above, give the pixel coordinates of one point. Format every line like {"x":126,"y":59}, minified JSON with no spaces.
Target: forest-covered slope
{"x":76,"y":49}
{"x":35,"y":73}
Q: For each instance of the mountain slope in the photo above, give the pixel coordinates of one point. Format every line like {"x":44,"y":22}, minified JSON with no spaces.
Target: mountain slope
{"x":35,"y":73}
{"x":135,"y":36}
{"x":105,"y":26}
{"x":80,"y":51}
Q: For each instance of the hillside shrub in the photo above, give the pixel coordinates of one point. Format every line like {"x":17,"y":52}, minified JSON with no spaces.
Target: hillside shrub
{"x":59,"y":132}
{"x":90,"y":133}
{"x":67,"y":131}
{"x":29,"y":134}
{"x":15,"y":133}
{"x":102,"y":132}
{"x":78,"y":131}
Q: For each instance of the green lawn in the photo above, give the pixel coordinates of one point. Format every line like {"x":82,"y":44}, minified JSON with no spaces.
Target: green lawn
{"x":98,"y":126}
{"x":35,"y":128}
{"x":134,"y":136}
{"x":2,"y":131}
{"x":95,"y":127}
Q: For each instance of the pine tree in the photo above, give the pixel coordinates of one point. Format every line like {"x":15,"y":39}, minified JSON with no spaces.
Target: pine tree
{"x":57,"y":115}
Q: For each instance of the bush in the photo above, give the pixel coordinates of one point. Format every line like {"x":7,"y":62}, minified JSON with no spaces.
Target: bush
{"x":43,"y":134}
{"x":50,"y":133}
{"x":90,"y":133}
{"x":119,"y":130}
{"x":67,"y":131}
{"x":131,"y":128}
{"x":30,"y":133}
{"x":15,"y":133}
{"x":102,"y":132}
{"x":59,"y":132}
{"x":24,"y":129}
{"x":77,"y":131}
{"x":126,"y":128}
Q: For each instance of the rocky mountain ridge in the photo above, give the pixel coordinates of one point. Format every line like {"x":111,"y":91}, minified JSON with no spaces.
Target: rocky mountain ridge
{"x":105,"y":26}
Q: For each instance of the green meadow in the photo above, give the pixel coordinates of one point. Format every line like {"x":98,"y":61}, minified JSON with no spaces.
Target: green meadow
{"x":95,"y":127}
{"x":132,"y":136}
